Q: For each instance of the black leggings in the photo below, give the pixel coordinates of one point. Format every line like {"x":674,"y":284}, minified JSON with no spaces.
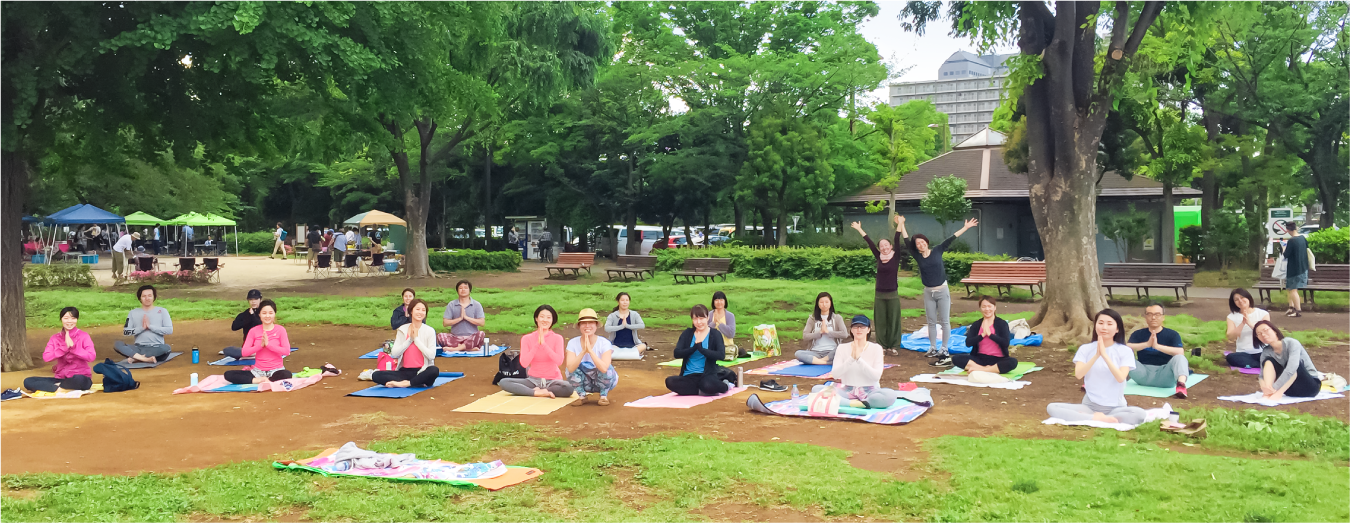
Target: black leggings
{"x":705,"y":384}
{"x":414,"y":378}
{"x":1305,"y":384}
{"x":1243,"y":360}
{"x":76,"y":382}
{"x":1005,"y":365}
{"x":245,"y":377}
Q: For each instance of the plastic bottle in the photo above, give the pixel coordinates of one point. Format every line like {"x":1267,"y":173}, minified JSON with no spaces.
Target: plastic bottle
{"x":193,"y":379}
{"x":795,"y":394}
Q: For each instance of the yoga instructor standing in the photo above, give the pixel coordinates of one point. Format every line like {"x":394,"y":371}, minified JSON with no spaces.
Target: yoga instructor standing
{"x":937,"y":300}
{"x":886,"y":307}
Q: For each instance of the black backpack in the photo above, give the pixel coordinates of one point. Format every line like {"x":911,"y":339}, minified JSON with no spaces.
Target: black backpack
{"x":508,"y":366}
{"x":115,"y":377}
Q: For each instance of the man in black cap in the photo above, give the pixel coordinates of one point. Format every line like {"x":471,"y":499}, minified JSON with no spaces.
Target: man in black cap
{"x":245,"y":321}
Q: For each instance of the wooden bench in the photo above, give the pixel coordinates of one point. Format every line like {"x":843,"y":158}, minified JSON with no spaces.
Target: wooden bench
{"x":633,"y":265}
{"x":706,"y":268}
{"x":572,"y":261}
{"x":1176,"y":276}
{"x":1006,"y":275}
{"x":1335,"y":278}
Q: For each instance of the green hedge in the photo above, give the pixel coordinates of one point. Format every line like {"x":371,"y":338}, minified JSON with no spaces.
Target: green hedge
{"x":475,"y":260}
{"x":252,"y":242}
{"x":58,"y":275}
{"x":1330,"y":245}
{"x":811,"y":263}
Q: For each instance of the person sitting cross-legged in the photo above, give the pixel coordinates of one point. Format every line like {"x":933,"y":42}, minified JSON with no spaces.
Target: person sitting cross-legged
{"x":415,"y":349}
{"x":70,"y":352}
{"x":588,"y":360}
{"x":700,"y":347}
{"x":267,"y":343}
{"x":148,"y":325}
{"x":858,"y":366}
{"x":465,"y":317}
{"x":988,"y":339}
{"x":541,"y":354}
{"x":1104,"y":365}
{"x":1162,"y":359}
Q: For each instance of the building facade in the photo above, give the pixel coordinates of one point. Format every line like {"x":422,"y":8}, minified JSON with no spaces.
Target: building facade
{"x":967,"y":91}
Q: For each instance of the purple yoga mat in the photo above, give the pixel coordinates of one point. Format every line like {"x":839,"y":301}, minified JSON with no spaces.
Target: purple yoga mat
{"x":1242,"y":370}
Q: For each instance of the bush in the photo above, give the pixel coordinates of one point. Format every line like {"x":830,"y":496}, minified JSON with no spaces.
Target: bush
{"x":1191,"y":243}
{"x":252,"y":242}
{"x":813,"y":263}
{"x":62,"y":275}
{"x":1330,"y":245}
{"x":474,"y":260}
{"x":826,"y":239}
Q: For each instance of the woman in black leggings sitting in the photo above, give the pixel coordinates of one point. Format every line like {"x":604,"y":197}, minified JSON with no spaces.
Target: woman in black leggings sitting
{"x":700,"y":348}
{"x":988,"y":339}
{"x":415,"y":350}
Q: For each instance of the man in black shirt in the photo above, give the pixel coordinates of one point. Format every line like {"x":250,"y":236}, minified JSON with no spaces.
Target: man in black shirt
{"x":245,"y":321}
{"x":1162,"y":358}
{"x":312,"y":241}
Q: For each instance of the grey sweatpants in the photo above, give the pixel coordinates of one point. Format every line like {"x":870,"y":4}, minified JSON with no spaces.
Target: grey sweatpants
{"x":809,"y":356}
{"x":526,"y":386}
{"x":937,"y":309}
{"x":149,"y":351}
{"x":1083,"y":412}
{"x":1165,"y":376}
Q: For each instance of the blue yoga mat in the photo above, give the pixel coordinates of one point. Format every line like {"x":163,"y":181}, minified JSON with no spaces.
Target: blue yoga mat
{"x":381,"y":391}
{"x":805,"y":371}
{"x":235,"y":363}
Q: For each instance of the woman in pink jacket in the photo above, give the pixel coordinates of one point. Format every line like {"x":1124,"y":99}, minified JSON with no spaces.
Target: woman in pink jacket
{"x":267,"y":343}
{"x":70,"y":350}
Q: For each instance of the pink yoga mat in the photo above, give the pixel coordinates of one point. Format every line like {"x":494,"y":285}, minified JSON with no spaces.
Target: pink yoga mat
{"x":1242,"y":370}
{"x":673,"y":401}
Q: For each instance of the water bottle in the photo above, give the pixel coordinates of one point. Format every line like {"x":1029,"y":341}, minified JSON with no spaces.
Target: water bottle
{"x":795,"y":394}
{"x":192,"y":378}
{"x":196,"y":358}
{"x":487,"y":345}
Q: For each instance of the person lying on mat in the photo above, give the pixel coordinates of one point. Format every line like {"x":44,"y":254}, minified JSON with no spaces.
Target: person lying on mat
{"x":857,"y":368}
{"x":1242,"y":317}
{"x":725,"y":322}
{"x":541,"y":353}
{"x":988,"y":339}
{"x":463,"y":316}
{"x":71,"y":351}
{"x":824,"y":330}
{"x":1103,"y":364}
{"x":1286,"y":369}
{"x":148,"y":325}
{"x":588,"y":360}
{"x":623,"y":325}
{"x":1162,"y":359}
{"x":700,"y":347}
{"x":415,"y":349}
{"x":400,"y":316}
{"x":245,"y":321}
{"x":267,"y":344}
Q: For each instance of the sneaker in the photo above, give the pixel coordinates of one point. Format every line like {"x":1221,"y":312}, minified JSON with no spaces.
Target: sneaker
{"x":1298,"y":313}
{"x":1290,"y":312}
{"x":932,"y":353}
{"x":945,"y":361}
{"x":11,"y":394}
{"x":1181,"y":392}
{"x":772,"y":385}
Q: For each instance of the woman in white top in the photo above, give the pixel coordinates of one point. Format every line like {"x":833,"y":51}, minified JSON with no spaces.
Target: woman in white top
{"x":415,"y":350}
{"x":857,"y":367}
{"x":1103,"y":364}
{"x":823,"y":332}
{"x":1242,"y":318}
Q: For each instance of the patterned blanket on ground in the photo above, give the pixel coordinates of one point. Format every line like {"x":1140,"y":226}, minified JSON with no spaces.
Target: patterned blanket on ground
{"x":405,"y":467}
{"x":902,"y":412}
{"x":217,"y":383}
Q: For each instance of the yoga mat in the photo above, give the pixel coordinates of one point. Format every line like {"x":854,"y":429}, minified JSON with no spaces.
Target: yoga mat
{"x":492,"y":351}
{"x":381,"y":391}
{"x":1255,"y":398}
{"x":791,"y":368}
{"x":506,"y":403}
{"x":674,"y":401}
{"x":933,"y":378}
{"x":1091,"y":423}
{"x":1135,"y":389}
{"x":240,"y":362}
{"x":1244,"y":370}
{"x":724,"y":363}
{"x":235,"y":387}
{"x":1023,"y":368}
{"x":70,"y":394}
{"x":627,"y":354}
{"x":957,"y":345}
{"x":514,"y":475}
{"x":144,"y":365}
{"x":902,"y":412}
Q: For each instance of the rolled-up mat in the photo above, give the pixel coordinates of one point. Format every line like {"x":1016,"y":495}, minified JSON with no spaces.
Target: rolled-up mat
{"x":381,"y":391}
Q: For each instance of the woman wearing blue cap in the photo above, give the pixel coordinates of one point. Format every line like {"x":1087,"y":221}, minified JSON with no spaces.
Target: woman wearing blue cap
{"x":858,"y":366}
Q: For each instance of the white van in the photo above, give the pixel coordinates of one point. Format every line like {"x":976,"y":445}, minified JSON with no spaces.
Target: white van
{"x":650,"y":235}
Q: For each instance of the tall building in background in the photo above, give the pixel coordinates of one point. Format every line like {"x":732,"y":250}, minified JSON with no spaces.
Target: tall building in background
{"x":967,"y":90}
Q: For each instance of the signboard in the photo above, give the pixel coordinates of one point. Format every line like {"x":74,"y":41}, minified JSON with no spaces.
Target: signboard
{"x":1279,"y":222}
{"x":1281,"y":212}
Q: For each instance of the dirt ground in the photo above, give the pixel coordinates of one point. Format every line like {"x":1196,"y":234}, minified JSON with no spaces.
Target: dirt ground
{"x":151,"y":429}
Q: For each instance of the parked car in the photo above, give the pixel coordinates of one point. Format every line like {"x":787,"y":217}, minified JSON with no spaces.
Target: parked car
{"x":650,"y":235}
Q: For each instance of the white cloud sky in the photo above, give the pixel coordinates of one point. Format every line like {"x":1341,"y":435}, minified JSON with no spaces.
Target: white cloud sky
{"x":926,"y":53}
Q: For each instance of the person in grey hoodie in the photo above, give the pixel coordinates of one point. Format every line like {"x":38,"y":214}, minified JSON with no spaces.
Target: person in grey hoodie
{"x":1286,"y":369}
{"x":622,"y":325}
{"x":148,"y":325}
{"x":823,"y":333}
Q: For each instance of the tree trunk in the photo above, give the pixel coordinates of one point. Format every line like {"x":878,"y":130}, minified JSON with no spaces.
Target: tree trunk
{"x":13,"y":329}
{"x":738,"y":216}
{"x":487,"y":192}
{"x":1326,"y":169}
{"x":1168,"y":242}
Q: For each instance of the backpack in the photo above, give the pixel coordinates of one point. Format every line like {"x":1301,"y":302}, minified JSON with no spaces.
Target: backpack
{"x":283,"y":234}
{"x":115,"y":377}
{"x":508,"y":366}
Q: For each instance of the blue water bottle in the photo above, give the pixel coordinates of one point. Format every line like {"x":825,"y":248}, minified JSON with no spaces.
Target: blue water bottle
{"x":196,"y":355}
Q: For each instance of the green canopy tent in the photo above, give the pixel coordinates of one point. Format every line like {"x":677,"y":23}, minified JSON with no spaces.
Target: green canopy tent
{"x":194,"y":219}
{"x":213,"y":220}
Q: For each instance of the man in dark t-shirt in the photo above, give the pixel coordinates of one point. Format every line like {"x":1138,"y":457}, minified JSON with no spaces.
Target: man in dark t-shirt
{"x":312,"y":241}
{"x":1296,"y":269}
{"x":1162,"y":358}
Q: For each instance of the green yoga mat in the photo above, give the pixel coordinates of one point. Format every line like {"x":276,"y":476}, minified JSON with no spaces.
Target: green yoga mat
{"x":752,"y":357}
{"x":1135,"y":389}
{"x":1023,"y":367}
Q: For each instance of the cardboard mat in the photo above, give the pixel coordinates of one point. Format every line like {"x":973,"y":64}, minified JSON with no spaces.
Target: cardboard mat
{"x":506,"y":403}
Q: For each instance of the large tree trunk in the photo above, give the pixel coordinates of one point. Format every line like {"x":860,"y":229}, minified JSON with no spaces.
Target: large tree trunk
{"x":1328,"y":172}
{"x":634,"y":245}
{"x":738,"y":218}
{"x":13,"y":191}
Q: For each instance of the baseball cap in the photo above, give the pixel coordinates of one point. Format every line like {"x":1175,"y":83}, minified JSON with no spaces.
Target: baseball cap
{"x":254,"y":294}
{"x":861,"y":320}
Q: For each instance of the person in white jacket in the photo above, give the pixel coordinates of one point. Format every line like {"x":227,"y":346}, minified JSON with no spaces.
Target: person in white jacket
{"x":857,"y":366}
{"x":415,"y":349}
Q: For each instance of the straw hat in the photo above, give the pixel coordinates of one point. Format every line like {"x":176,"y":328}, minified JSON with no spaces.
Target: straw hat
{"x":587,"y":314}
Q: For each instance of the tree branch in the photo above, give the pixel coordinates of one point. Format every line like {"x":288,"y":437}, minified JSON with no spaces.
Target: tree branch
{"x":1084,"y":53}
{"x":1146,"y":17}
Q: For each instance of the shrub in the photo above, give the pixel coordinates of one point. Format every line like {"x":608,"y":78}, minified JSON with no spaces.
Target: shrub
{"x":957,"y":264}
{"x":826,"y":239}
{"x":474,"y":260}
{"x":62,"y":275}
{"x":813,"y":263}
{"x":1330,"y":245}
{"x":1191,"y":243}
{"x":252,"y":242}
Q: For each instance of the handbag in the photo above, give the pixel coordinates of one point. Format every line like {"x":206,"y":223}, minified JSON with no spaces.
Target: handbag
{"x":1281,"y":268}
{"x":823,"y":404}
{"x":385,"y":362}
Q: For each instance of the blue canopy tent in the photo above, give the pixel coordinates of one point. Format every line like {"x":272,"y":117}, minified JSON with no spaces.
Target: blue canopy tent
{"x":78,"y":215}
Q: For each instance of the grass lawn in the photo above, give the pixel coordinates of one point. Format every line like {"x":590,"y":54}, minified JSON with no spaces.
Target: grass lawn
{"x":1244,"y":278}
{"x":668,"y":477}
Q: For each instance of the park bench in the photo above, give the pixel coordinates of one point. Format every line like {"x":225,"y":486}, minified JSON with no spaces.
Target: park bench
{"x":1006,"y":275}
{"x":572,"y":261}
{"x":1176,"y":276}
{"x":706,"y":268}
{"x":1334,"y":278}
{"x":632,"y":265}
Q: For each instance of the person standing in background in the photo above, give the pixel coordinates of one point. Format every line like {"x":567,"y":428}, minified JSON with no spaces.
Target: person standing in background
{"x":120,"y":251}
{"x":1296,"y":269}
{"x":154,"y":243}
{"x":314,"y":241}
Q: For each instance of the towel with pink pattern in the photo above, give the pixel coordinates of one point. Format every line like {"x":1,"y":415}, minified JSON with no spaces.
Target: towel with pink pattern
{"x":217,"y":383}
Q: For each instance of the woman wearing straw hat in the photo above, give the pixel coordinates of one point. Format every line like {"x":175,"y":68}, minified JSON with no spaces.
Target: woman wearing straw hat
{"x":588,"y":360}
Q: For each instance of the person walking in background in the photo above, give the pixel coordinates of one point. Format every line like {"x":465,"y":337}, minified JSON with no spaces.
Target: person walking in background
{"x":1297,"y":264}
{"x":339,"y":242}
{"x":886,"y":304}
{"x":278,"y":244}
{"x":513,"y":240}
{"x":187,"y":238}
{"x":155,"y":241}
{"x":120,"y":252}
{"x":313,"y":242}
{"x":937,"y":298}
